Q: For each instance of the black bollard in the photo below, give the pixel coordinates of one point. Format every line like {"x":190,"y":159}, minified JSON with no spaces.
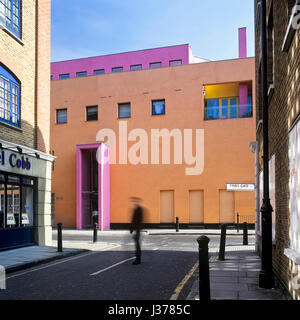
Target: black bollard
{"x":177,"y":224}
{"x":204,"y":284}
{"x":59,"y":237}
{"x":222,"y":242}
{"x":237,"y":222}
{"x":245,"y":233}
{"x":95,"y":232}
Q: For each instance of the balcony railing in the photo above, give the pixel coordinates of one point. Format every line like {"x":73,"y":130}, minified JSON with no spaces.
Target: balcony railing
{"x":228,"y":112}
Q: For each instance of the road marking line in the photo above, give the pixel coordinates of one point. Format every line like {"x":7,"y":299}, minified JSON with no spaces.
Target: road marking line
{"x":114,"y":265}
{"x":155,"y":249}
{"x":183,"y":282}
{"x":59,"y":262}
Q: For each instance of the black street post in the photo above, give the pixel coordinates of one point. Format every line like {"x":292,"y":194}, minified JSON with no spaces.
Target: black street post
{"x":222,"y":242}
{"x":59,"y":237}
{"x":237,"y":222}
{"x":266,"y":275}
{"x":95,"y":232}
{"x":245,"y":233}
{"x":204,"y":285}
{"x":177,"y":224}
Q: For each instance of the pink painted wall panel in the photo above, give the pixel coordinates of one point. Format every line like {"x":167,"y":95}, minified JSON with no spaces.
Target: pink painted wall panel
{"x":106,"y":188}
{"x":243,"y":43}
{"x":243,"y":98}
{"x":125,"y":60}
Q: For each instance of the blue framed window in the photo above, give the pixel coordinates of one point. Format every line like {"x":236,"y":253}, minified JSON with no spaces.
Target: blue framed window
{"x":211,"y":109}
{"x":224,"y":108}
{"x":9,"y":98}
{"x":158,"y":107}
{"x":124,"y":110}
{"x":154,"y":65}
{"x":64,"y":76}
{"x":10,"y":15}
{"x":81,"y":74}
{"x":61,"y":116}
{"x":136,"y":67}
{"x":233,"y":108}
{"x":99,"y":71}
{"x":173,"y":63}
{"x":117,"y":69}
{"x":92,"y":113}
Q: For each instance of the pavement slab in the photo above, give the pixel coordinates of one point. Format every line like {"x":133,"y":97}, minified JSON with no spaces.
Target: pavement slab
{"x":236,"y":277}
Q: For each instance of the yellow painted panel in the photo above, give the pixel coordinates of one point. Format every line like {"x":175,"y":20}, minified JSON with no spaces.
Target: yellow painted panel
{"x":196,"y":206}
{"x":226,"y":206}
{"x":222,"y":90}
{"x":167,"y":206}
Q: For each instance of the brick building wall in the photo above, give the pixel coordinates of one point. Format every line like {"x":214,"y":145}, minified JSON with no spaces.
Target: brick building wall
{"x":43,"y":75}
{"x":283,"y":110}
{"x":28,"y":59}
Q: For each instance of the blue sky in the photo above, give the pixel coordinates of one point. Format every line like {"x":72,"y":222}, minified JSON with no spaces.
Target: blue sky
{"x":96,"y":27}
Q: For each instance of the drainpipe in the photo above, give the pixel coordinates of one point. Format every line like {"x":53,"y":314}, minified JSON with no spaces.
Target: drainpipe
{"x":266,"y":275}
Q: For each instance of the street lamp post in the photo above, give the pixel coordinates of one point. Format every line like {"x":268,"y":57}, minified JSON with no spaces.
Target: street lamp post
{"x":266,"y":276}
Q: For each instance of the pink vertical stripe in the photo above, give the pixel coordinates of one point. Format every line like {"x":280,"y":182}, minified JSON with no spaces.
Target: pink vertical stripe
{"x":243,"y":43}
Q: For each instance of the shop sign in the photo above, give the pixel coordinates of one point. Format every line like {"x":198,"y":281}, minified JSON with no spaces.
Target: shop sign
{"x":240,"y":187}
{"x":15,"y":161}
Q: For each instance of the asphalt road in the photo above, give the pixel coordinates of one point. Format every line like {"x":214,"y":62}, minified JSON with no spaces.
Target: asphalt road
{"x":110,"y":275}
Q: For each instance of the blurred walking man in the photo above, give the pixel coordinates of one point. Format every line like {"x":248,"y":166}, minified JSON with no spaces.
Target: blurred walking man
{"x":136,"y":225}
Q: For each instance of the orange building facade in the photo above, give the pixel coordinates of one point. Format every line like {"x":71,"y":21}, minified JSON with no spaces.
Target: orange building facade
{"x":202,"y":103}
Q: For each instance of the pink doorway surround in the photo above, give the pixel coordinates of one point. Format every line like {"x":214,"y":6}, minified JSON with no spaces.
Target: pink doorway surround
{"x":103,"y":184}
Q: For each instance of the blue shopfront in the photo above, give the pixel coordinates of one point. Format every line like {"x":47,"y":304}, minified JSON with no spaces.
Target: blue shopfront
{"x":22,"y":197}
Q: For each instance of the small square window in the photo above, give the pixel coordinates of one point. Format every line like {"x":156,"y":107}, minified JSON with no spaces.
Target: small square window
{"x":64,"y":76}
{"x":124,"y":110}
{"x":81,"y":74}
{"x":99,"y":71}
{"x":173,"y":63}
{"x":61,"y":116}
{"x":92,"y":113}
{"x":153,"y":65}
{"x":136,"y":67}
{"x":158,"y":107}
{"x":117,"y":69}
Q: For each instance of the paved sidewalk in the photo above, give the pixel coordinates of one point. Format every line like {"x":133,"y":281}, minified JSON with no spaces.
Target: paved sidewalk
{"x":156,"y":232}
{"x":235,"y":278}
{"x":21,"y":258}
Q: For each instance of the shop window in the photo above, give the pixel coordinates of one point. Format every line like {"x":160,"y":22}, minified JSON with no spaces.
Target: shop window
{"x":153,"y":65}
{"x":136,"y":67}
{"x":92,"y":113}
{"x":99,"y":71}
{"x":16,"y":201}
{"x":64,"y":76}
{"x":61,"y":116}
{"x":27,"y":206}
{"x":117,"y":69}
{"x":10,"y":16}
{"x":9,"y":97}
{"x":2,"y":203}
{"x":81,"y":74}
{"x":124,"y":110}
{"x":158,"y":107}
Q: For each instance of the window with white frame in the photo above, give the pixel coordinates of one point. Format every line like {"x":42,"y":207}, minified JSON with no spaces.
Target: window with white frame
{"x":9,"y":97}
{"x":294,"y":160}
{"x":10,"y":15}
